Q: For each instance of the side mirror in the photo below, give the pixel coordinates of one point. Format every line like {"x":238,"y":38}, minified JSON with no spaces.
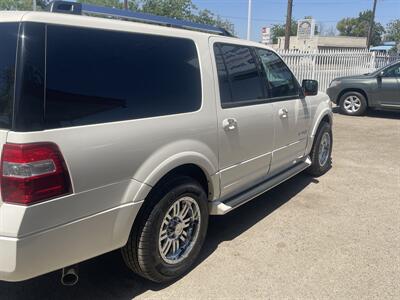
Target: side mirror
{"x":310,"y":87}
{"x":381,"y":74}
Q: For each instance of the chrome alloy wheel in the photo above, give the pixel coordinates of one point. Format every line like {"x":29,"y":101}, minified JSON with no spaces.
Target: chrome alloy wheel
{"x":324,"y":149}
{"x":352,"y":104}
{"x":179,"y":230}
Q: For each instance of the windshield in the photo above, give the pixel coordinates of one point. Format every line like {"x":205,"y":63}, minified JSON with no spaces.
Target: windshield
{"x":383,"y":68}
{"x":8,"y":47}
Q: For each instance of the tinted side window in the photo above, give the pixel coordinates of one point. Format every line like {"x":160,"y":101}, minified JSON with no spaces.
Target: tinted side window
{"x":96,"y":76}
{"x":8,"y":49}
{"x":223,"y":78}
{"x":237,"y":69}
{"x":281,"y":81}
{"x":29,"y":92}
{"x":393,"y":71}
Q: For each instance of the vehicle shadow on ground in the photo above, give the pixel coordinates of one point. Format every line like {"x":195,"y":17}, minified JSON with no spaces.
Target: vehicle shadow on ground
{"x":106,"y":277}
{"x":371,"y":113}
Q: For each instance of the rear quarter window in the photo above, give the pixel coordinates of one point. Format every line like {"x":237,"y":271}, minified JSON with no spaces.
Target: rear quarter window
{"x":8,"y":48}
{"x":98,"y":76}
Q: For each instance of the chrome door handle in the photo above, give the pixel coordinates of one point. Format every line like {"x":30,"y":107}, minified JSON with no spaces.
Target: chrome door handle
{"x":283,"y":113}
{"x":229,"y":124}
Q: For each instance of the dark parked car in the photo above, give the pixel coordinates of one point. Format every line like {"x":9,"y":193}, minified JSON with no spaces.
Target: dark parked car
{"x":379,"y":89}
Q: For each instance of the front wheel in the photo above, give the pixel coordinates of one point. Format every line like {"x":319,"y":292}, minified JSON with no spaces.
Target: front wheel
{"x":321,"y":151}
{"x":166,"y":241}
{"x":353,"y":104}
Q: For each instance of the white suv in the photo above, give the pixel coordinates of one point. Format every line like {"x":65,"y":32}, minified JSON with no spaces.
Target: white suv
{"x":119,"y":134}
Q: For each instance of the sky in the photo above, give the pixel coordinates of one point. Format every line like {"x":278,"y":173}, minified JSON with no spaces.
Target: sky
{"x":269,"y":12}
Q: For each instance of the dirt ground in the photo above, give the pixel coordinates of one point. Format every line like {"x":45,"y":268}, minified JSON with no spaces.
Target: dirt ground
{"x":334,"y":237}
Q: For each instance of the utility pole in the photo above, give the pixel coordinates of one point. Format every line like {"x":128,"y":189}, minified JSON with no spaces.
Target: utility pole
{"x":371,"y":25}
{"x":125,"y":4}
{"x":249,"y":21}
{"x":34,"y":5}
{"x":288,"y":23}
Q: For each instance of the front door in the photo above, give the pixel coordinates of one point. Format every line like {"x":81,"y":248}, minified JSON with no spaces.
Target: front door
{"x":291,"y":114}
{"x":245,"y":118}
{"x":389,"y":87}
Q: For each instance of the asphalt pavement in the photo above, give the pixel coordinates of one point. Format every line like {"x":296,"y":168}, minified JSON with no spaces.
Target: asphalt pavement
{"x":333,"y":237}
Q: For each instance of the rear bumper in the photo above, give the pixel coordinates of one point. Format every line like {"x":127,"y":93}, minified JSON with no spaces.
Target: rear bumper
{"x":43,"y":252}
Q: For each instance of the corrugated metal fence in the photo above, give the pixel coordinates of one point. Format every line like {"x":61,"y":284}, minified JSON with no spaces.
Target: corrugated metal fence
{"x":326,"y":65}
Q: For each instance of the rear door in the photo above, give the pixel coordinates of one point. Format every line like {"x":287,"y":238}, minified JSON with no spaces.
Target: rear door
{"x":245,"y":118}
{"x":290,"y":111}
{"x":8,"y":48}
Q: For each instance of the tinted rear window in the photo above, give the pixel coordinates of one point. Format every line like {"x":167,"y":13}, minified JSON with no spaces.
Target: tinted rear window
{"x":97,"y":76}
{"x":8,"y":47}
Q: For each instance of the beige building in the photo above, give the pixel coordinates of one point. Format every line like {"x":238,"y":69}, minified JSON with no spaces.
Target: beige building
{"x":323,"y":42}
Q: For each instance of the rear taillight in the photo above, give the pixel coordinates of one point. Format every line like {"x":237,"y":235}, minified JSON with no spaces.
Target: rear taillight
{"x":33,"y":172}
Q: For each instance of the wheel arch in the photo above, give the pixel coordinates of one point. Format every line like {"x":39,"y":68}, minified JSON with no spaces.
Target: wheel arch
{"x":324,"y":116}
{"x":192,"y":164}
{"x":190,"y":170}
{"x":358,"y":90}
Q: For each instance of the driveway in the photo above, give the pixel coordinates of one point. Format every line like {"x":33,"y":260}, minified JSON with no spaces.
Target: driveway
{"x":337,"y":236}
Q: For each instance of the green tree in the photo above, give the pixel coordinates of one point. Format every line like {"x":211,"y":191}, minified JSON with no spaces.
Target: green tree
{"x":179,"y":9}
{"x":393,"y":31}
{"x":16,"y":4}
{"x":185,"y":10}
{"x":23,"y":4}
{"x":359,"y":27}
{"x":207,"y":17}
{"x":278,"y":30}
{"x":132,"y":4}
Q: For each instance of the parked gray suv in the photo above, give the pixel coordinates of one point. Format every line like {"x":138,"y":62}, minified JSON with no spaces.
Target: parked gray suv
{"x":379,"y":89}
{"x":119,"y":134}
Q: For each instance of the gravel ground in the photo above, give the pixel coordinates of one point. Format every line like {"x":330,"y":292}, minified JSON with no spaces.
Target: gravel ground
{"x":334,"y":237}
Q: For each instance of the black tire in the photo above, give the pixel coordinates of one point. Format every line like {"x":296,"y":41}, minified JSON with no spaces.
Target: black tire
{"x":141,"y":253}
{"x":316,"y":169}
{"x":360,"y":100}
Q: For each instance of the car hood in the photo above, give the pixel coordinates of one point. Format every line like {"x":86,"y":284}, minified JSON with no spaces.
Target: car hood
{"x":355,"y":77}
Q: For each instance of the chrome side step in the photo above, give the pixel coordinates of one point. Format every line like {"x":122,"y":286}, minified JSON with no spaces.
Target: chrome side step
{"x":223,"y":207}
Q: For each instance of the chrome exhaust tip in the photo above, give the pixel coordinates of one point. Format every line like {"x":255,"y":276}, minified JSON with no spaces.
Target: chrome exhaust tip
{"x":69,"y":276}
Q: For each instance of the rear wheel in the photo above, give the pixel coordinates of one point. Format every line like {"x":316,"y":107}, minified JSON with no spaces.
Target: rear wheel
{"x":168,"y":237}
{"x":353,"y":104}
{"x":321,"y":160}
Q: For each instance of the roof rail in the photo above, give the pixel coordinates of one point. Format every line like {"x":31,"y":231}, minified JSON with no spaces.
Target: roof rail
{"x":67,"y":7}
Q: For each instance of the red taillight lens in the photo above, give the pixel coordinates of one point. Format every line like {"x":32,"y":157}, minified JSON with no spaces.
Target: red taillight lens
{"x":33,"y":172}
